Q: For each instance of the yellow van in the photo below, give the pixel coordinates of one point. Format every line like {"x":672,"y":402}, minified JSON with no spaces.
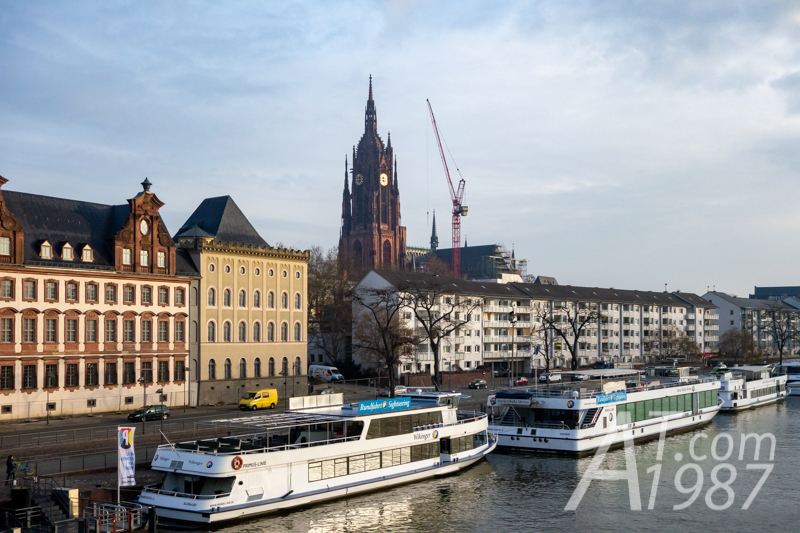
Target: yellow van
{"x":259,"y":399}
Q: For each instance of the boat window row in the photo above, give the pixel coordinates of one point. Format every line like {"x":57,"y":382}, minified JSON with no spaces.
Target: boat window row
{"x":766,"y":391}
{"x":356,"y":464}
{"x":399,"y":425}
{"x":463,"y":444}
{"x":647,"y":409}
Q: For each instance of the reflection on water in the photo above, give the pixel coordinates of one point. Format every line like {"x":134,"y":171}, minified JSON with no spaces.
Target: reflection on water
{"x":525,"y":491}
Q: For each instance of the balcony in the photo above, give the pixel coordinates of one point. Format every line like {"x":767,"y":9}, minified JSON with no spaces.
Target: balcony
{"x":517,"y":339}
{"x":711,"y":317}
{"x":711,"y":338}
{"x":690,"y":316}
{"x":711,"y":327}
{"x":690,"y":327}
{"x":497,"y":309}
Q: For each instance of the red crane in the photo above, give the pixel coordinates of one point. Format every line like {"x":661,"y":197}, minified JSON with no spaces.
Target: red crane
{"x":457,"y":196}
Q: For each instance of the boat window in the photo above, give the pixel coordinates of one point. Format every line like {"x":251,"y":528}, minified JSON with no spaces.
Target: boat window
{"x":639,"y":411}
{"x":389,"y":426}
{"x":550,"y":416}
{"x":356,"y":464}
{"x":197,"y":485}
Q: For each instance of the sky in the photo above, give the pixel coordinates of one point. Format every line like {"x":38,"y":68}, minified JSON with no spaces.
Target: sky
{"x":612,"y":144}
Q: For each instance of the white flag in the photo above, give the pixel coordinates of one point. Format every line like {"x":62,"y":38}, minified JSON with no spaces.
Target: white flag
{"x":126,"y":469}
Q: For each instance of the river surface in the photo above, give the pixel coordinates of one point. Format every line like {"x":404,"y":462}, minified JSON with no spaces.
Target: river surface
{"x":517,"y":491}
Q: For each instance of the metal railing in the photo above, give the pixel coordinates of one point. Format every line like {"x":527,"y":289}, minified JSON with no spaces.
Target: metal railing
{"x":575,"y":394}
{"x":79,"y":463}
{"x":111,"y":517}
{"x":151,"y":489}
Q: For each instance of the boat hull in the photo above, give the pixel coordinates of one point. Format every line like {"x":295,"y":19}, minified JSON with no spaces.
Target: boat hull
{"x":742,"y":405}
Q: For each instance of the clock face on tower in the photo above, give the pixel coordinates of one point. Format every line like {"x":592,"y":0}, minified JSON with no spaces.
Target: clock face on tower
{"x":359,"y":179}
{"x":384,"y":179}
{"x":144,"y":227}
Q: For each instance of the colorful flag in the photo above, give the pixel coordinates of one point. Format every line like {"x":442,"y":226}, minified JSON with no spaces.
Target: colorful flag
{"x":126,"y":469}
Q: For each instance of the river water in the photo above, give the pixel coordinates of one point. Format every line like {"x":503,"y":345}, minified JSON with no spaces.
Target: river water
{"x":517,"y":491}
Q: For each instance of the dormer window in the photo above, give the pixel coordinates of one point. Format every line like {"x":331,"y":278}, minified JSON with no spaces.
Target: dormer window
{"x":88,"y":254}
{"x":5,"y":246}
{"x":66,"y":252}
{"x":126,"y":256}
{"x":46,"y":251}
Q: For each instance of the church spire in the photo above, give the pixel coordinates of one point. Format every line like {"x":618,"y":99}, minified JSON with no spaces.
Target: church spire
{"x":347,"y":213}
{"x":434,"y":236}
{"x":370,"y":116}
{"x":396,"y":185}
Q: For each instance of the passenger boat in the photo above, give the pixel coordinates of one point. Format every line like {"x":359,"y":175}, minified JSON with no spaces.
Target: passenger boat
{"x":792,"y":371}
{"x":593,"y":408}
{"x":744,"y":387}
{"x":318,"y":450}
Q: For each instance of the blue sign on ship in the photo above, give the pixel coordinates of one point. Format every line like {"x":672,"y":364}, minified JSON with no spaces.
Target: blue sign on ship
{"x":383,"y":406}
{"x":611,"y":398}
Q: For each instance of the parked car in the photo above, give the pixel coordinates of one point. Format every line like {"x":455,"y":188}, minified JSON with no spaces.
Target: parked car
{"x":397,"y":390}
{"x":259,"y":399}
{"x":327,"y":391}
{"x":520,"y":382}
{"x":478,"y":384}
{"x":151,"y":412}
{"x":602,"y":364}
{"x":550,"y":378}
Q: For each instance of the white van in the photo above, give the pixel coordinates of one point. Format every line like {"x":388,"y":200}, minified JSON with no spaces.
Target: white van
{"x":549,"y":378}
{"x":325,"y":373}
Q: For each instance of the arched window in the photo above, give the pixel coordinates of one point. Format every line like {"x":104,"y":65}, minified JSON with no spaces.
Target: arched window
{"x":257,"y":332}
{"x":243,"y":331}
{"x":297,"y":301}
{"x":226,"y":332}
{"x":285,"y":367}
{"x":298,"y":334}
{"x":242,"y":368}
{"x":271,"y":300}
{"x":358,"y":256}
{"x":212,"y":369}
{"x":227,"y":369}
{"x":271,"y":366}
{"x":226,"y":298}
{"x":257,"y":367}
{"x":284,"y":300}
{"x":270,"y":332}
{"x":195,"y":333}
{"x":284,"y":332}
{"x":212,"y":297}
{"x":257,"y":299}
{"x":298,"y":366}
{"x":212,"y":332}
{"x":387,"y":253}
{"x":242,"y":298}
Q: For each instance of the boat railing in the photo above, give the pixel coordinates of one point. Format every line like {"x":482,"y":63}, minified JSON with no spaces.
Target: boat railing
{"x":152,"y":489}
{"x":577,"y":394}
{"x":195,"y":447}
{"x":465,"y":417}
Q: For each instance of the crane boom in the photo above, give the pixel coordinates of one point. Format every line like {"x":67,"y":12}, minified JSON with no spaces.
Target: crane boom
{"x":457,"y":196}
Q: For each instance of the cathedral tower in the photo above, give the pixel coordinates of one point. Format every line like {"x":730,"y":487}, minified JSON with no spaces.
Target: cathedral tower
{"x":371,"y":231}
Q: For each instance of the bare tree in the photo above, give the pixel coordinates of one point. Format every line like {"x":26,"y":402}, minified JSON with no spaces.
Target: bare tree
{"x":567,"y":321}
{"x":329,"y":304}
{"x":781,"y":325}
{"x":545,"y":333}
{"x":439,"y":312}
{"x":378,"y":333}
{"x":737,"y":345}
{"x":437,"y":267}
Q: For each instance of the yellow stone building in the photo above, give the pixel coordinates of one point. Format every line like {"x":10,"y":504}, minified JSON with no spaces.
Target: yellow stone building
{"x":251,"y":324}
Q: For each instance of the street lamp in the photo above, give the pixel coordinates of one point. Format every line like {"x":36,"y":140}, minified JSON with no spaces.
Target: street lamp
{"x":187,"y":372}
{"x":160,"y":393}
{"x":513,"y":318}
{"x":50,"y":376}
{"x":284,"y":373}
{"x":144,"y":401}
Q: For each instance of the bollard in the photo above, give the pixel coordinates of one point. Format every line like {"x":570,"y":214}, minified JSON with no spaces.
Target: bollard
{"x":151,"y":520}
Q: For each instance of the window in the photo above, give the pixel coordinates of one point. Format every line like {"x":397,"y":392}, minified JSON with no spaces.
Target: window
{"x":297,"y":274}
{"x":66,"y":253}
{"x":163,"y":371}
{"x":147,"y":295}
{"x":297,"y":301}
{"x":7,"y":378}
{"x":285,"y":365}
{"x":179,"y":331}
{"x":29,"y":380}
{"x":7,"y":289}
{"x":284,"y":332}
{"x":227,"y":369}
{"x":91,"y":330}
{"x":180,"y":371}
{"x":258,"y":271}
{"x":226,"y":298}
{"x":257,"y":367}
{"x":226,"y":332}
{"x":257,"y":332}
{"x":147,"y":371}
{"x":271,"y":272}
{"x":29,"y":330}
{"x":284,"y":300}
{"x":271,"y":366}
{"x":72,"y":375}
{"x":298,"y":333}
{"x":51,"y":376}
{"x":212,"y":369}
{"x":144,"y":258}
{"x":127,"y":258}
{"x":163,"y":295}
{"x":242,"y":298}
{"x":72,"y":291}
{"x":50,"y":330}
{"x":227,"y":269}
{"x":72,"y":330}
{"x":51,"y":290}
{"x":162,"y":260}
{"x":111,"y":330}
{"x":87,"y":253}
{"x":284,"y":273}
{"x":212,"y":332}
{"x":179,"y":296}
{"x":257,"y":299}
{"x":147,"y":331}
{"x":91,"y":292}
{"x":163,"y":331}
{"x":111,"y":293}
{"x":271,"y":332}
{"x":7,"y":330}
{"x":127,"y":294}
{"x":242,"y":368}
{"x":129,"y":372}
{"x":29,"y":289}
{"x":271,"y":300}
{"x":242,"y":332}
{"x":47,"y":250}
{"x":111,"y":374}
{"x":242,"y":270}
{"x":298,"y":366}
{"x":211,"y":267}
{"x":5,"y":247}
{"x":91,"y":374}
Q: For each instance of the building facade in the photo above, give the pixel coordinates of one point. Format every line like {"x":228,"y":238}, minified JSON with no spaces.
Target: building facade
{"x":371,"y":232}
{"x":251,"y":306}
{"x":93,"y":306}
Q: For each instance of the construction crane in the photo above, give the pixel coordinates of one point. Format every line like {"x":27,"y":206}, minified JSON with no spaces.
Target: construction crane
{"x":457,"y":196}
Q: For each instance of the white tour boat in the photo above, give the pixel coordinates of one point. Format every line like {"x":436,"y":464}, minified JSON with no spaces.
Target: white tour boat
{"x":589,"y":409}
{"x":743,"y":387}
{"x":792,"y":371}
{"x":318,"y":450}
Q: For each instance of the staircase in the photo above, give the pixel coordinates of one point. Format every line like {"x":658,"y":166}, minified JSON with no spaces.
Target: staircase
{"x":509,"y":417}
{"x":591,"y":417}
{"x":44,"y":495}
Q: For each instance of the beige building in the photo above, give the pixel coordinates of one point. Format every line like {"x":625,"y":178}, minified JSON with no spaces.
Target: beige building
{"x":251,"y":307}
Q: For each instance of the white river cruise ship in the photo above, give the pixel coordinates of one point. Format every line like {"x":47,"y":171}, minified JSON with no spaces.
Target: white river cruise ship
{"x":745,"y":387}
{"x":792,"y":371}
{"x":318,"y":450}
{"x":591,"y":408}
